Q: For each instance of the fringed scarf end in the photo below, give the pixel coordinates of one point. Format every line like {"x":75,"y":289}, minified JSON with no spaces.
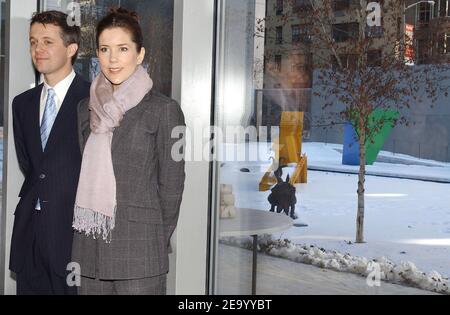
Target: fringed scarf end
{"x":93,"y":223}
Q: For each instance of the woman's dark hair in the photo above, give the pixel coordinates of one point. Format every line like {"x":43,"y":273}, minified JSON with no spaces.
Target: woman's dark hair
{"x":119,"y":17}
{"x":69,"y":34}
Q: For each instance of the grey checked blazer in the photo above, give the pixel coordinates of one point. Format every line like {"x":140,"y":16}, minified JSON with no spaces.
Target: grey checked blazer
{"x":149,"y":191}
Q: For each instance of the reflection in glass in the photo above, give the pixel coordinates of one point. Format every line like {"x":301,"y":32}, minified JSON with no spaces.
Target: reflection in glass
{"x":272,"y":65}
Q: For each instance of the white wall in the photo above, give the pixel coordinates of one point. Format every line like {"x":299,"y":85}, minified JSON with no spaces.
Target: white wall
{"x":192,"y":83}
{"x":19,"y":77}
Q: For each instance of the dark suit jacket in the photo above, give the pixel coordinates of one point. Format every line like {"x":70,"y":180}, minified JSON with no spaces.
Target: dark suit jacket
{"x":51,"y":176}
{"x":149,"y":191}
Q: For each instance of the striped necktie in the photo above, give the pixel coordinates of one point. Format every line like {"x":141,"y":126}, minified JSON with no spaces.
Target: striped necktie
{"x":48,"y":118}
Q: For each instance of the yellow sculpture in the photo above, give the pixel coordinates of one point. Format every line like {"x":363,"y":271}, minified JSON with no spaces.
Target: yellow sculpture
{"x":288,"y":149}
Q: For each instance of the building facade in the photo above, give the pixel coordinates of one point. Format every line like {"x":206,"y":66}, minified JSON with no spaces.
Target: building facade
{"x":431,"y":21}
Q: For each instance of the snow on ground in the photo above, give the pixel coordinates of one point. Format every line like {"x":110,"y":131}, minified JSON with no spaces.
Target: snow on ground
{"x":405,"y":220}
{"x":329,"y":157}
{"x":373,"y":270}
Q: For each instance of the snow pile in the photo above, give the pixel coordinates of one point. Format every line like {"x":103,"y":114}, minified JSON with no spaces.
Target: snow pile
{"x":403,"y":273}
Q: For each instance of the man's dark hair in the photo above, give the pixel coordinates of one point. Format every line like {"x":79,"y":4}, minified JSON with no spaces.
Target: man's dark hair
{"x":69,"y":34}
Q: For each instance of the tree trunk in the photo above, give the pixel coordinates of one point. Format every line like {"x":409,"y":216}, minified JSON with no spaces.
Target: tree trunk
{"x":361,"y":181}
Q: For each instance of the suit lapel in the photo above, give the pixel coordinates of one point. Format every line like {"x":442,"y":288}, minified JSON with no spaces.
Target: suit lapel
{"x":131,"y":117}
{"x":35,"y":127}
{"x":64,"y":114}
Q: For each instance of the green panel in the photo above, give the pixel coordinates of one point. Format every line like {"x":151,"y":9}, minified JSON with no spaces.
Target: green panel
{"x":373,"y":147}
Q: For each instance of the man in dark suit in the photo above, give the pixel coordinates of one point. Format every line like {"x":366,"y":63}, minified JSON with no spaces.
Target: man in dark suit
{"x":46,"y":139}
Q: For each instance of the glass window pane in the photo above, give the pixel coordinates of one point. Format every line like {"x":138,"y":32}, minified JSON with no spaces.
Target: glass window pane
{"x":334,"y":161}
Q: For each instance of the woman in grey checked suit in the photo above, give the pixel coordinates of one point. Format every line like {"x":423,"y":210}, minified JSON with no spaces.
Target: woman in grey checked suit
{"x":131,"y":184}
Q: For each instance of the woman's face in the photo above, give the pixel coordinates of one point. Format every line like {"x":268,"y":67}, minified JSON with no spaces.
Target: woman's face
{"x":117,"y":55}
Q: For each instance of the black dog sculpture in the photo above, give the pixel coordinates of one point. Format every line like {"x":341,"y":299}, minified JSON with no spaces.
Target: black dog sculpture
{"x":282,"y":196}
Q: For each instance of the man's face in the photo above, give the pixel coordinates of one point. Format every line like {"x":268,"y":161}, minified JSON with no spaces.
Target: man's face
{"x":49,"y":55}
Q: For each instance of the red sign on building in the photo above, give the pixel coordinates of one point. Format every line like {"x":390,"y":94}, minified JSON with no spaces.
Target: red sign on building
{"x":409,"y":41}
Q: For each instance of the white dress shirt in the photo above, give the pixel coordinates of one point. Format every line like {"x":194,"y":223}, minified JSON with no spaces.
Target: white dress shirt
{"x":60,"y":88}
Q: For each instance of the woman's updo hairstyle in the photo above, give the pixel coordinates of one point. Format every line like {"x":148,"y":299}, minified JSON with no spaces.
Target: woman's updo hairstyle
{"x":128,"y":20}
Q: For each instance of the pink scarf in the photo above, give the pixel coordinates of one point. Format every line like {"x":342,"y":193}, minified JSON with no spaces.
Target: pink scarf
{"x":95,"y":204}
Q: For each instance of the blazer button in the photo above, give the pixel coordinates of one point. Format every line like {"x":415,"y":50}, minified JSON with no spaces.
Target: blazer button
{"x":42,"y":176}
